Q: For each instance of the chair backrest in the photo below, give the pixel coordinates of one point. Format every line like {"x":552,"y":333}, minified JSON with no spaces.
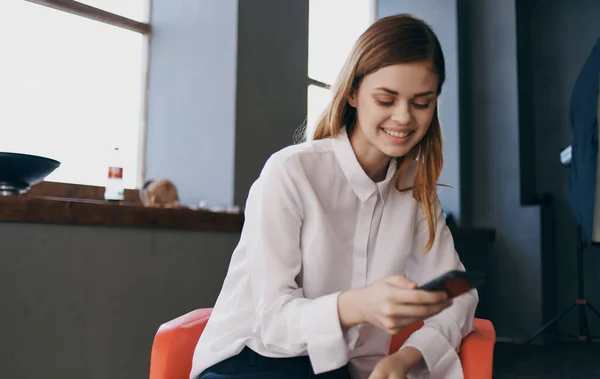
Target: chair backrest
{"x":174,"y":345}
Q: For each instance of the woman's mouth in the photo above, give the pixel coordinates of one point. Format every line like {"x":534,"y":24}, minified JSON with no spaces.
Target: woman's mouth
{"x":400,"y":135}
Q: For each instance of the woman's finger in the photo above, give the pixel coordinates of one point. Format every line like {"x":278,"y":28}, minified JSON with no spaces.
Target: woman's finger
{"x":403,"y":296}
{"x":417,"y":311}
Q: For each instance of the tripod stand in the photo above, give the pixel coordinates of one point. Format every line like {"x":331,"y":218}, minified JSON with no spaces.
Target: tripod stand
{"x":580,"y":303}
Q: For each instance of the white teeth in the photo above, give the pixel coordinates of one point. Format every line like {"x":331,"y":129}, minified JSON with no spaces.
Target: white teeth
{"x":396,"y":134}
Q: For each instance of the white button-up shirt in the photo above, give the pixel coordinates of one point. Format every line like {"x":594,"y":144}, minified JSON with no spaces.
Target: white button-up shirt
{"x":317,"y":225}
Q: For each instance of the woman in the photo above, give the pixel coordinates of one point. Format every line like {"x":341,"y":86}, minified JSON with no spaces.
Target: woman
{"x":317,"y":283}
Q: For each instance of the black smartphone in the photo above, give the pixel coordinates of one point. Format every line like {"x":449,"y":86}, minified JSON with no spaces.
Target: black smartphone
{"x":455,"y":283}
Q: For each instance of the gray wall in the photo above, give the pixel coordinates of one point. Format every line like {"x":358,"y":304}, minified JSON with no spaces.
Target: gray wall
{"x":558,"y":53}
{"x":271,"y":83}
{"x":86,"y":302}
{"x":191,"y":97}
{"x":442,"y":17}
{"x":515,"y":280}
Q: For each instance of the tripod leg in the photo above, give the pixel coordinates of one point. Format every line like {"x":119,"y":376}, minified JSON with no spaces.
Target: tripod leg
{"x":593,"y":309}
{"x":584,"y":330}
{"x":549,"y":323}
{"x":581,"y":301}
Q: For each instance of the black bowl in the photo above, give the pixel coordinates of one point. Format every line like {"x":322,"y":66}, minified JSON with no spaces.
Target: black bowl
{"x":18,"y":172}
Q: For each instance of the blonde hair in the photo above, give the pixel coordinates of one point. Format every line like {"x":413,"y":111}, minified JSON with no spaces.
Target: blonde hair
{"x":391,"y":40}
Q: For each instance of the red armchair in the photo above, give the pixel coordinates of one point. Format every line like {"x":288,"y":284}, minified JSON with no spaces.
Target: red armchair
{"x":176,"y":340}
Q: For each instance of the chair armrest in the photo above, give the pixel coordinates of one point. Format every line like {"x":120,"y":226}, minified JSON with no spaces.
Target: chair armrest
{"x":174,"y":345}
{"x":477,"y":350}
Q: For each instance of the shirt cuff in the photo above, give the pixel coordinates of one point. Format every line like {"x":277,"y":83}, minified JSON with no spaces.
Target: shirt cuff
{"x":326,"y":342}
{"x":440,"y":360}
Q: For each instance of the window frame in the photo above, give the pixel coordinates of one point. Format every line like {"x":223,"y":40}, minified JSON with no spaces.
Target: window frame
{"x":97,"y":14}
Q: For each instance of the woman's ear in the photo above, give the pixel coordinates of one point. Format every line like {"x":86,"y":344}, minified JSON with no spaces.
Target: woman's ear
{"x":352,"y":99}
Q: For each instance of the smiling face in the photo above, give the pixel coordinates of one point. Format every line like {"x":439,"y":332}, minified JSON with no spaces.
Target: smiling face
{"x":395,"y":106}
{"x":390,"y":108}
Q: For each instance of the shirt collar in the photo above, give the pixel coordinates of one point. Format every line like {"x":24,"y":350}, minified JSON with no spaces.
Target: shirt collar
{"x":359,"y":181}
{"x":389,"y":181}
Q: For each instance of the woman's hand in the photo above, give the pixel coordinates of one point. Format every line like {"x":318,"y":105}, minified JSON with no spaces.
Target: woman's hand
{"x":397,"y":365}
{"x":390,"y":304}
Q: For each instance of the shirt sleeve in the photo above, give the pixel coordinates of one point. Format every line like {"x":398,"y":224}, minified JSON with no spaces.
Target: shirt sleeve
{"x":286,"y":322}
{"x":440,"y":338}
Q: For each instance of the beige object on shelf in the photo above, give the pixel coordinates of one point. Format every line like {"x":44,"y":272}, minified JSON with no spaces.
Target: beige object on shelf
{"x":160,"y":194}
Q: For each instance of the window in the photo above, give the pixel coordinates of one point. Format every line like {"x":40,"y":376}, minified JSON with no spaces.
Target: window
{"x":71,"y":87}
{"x":333,"y":28}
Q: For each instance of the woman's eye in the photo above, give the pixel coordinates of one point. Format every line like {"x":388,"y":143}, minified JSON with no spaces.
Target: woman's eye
{"x":385,"y":103}
{"x":421,"y":106}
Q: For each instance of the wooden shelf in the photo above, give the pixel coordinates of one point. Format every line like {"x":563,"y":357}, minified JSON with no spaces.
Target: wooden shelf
{"x":56,"y":210}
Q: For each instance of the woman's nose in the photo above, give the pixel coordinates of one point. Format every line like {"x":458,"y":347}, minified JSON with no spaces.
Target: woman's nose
{"x":401,"y":114}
